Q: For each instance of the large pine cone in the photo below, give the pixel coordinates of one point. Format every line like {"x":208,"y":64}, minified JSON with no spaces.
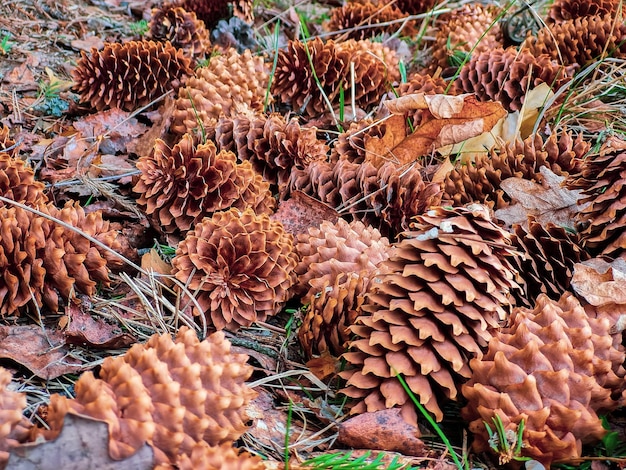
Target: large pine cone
{"x":551,"y":368}
{"x":180,"y":186}
{"x":581,"y":40}
{"x":479,"y":181}
{"x":173,"y":395}
{"x":17,"y":182}
{"x":129,"y":75}
{"x":604,"y":188}
{"x":181,"y":28}
{"x":232,"y":82}
{"x":240,"y":263}
{"x":445,"y":290}
{"x":15,"y":426}
{"x":505,"y":75}
{"x":564,"y":10}
{"x":352,"y":16}
{"x":337,"y":263}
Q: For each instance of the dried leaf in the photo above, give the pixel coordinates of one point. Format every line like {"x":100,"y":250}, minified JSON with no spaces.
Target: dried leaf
{"x":83,"y":329}
{"x":161,"y":120}
{"x":440,"y":106}
{"x":83,"y":443}
{"x":301,"y":211}
{"x":547,"y":202}
{"x":381,"y":430}
{"x":378,"y":149}
{"x":87,"y":43}
{"x":42,"y":351}
{"x":534,"y":100}
{"x":113,"y":130}
{"x":600,"y":282}
{"x":324,"y":366}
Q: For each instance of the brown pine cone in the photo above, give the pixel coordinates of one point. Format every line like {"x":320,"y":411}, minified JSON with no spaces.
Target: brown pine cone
{"x":18,"y":183}
{"x":15,"y":426}
{"x":209,"y":11}
{"x":505,"y":75}
{"x":129,"y":75}
{"x":354,"y":15}
{"x":351,"y":143}
{"x":181,"y":28}
{"x":172,"y":394}
{"x":7,"y":144}
{"x":444,"y":292}
{"x":564,"y":10}
{"x":241,"y":265}
{"x":546,"y":368}
{"x":581,"y":40}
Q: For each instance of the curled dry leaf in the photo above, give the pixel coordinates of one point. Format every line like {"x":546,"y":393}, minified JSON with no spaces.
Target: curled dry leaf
{"x":441,"y":106}
{"x":83,"y":443}
{"x":547,"y":202}
{"x":381,"y":430}
{"x":83,"y":329}
{"x":600,"y":282}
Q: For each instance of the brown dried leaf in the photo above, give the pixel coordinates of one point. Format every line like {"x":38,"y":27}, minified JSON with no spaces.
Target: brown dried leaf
{"x":42,"y":351}
{"x":440,"y":106}
{"x":84,"y":330}
{"x":301,"y":211}
{"x":324,"y":366}
{"x":600,"y":282}
{"x":381,"y":430}
{"x":161,"y":119}
{"x":83,"y":443}
{"x":547,"y":202}
{"x":112,"y":129}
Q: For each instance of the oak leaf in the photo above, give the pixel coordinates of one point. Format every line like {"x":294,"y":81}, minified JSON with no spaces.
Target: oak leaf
{"x":600,"y":282}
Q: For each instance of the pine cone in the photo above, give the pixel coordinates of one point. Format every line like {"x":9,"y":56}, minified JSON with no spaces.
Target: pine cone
{"x":232,"y":82}
{"x":547,"y":262}
{"x":15,"y":426}
{"x":352,"y":16}
{"x":17,"y":182}
{"x":7,"y":144}
{"x":224,"y":457}
{"x":182,"y":29}
{"x":564,"y":10}
{"x":604,"y":188}
{"x":129,"y":75}
{"x":182,"y":185}
{"x":240,"y":263}
{"x":480,"y":181}
{"x":505,"y":75}
{"x":351,"y":143}
{"x":445,"y":291}
{"x":548,"y":369}
{"x":466,"y":28}
{"x":415,"y":7}
{"x":337,"y":263}
{"x":209,"y":11}
{"x":581,"y":40}
{"x":173,"y":395}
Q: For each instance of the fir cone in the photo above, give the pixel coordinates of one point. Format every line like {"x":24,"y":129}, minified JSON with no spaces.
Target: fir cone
{"x":17,"y":182}
{"x":581,"y":40}
{"x":15,"y":426}
{"x":337,"y":263}
{"x":182,"y":29}
{"x":232,"y":82}
{"x":604,"y":188}
{"x":480,"y":181}
{"x":172,"y":394}
{"x":564,"y":10}
{"x":354,"y":15}
{"x":550,"y":368}
{"x":240,"y":263}
{"x":445,"y":291}
{"x":469,"y":28}
{"x":129,"y":75}
{"x":506,"y":75}
{"x":182,"y":185}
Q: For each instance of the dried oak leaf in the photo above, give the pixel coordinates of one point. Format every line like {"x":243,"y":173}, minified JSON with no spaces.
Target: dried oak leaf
{"x":446,"y":120}
{"x":547,"y":202}
{"x":83,"y":329}
{"x":600,"y":282}
{"x":83,"y":443}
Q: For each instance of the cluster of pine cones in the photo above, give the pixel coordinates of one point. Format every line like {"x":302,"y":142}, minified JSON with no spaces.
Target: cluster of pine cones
{"x":416,"y":275}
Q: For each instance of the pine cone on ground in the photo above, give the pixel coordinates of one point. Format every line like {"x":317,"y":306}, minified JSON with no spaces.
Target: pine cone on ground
{"x":415,"y":7}
{"x":17,"y":182}
{"x":564,"y":10}
{"x":550,"y":368}
{"x":182,"y":185}
{"x":182,"y":29}
{"x":209,"y":11}
{"x":506,"y":75}
{"x":443,"y":293}
{"x":480,"y":181}
{"x":7,"y":144}
{"x":232,"y":82}
{"x":466,"y":28}
{"x":581,"y":40}
{"x":352,"y":16}
{"x":174,"y":395}
{"x":604,"y":188}
{"x":241,"y":264}
{"x":129,"y":75}
{"x":15,"y":426}
{"x":337,"y":263}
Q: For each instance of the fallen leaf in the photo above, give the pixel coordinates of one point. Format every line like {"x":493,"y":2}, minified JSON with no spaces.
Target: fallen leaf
{"x":82,"y":443}
{"x":547,"y":202}
{"x":87,"y":43}
{"x":534,"y":100}
{"x":600,"y":282}
{"x":324,"y":366}
{"x":379,"y":149}
{"x":112,"y":129}
{"x":22,"y":76}
{"x":85,"y":330}
{"x":381,"y":430}
{"x":161,"y":119}
{"x":42,"y":351}
{"x":301,"y":211}
{"x":440,"y":106}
